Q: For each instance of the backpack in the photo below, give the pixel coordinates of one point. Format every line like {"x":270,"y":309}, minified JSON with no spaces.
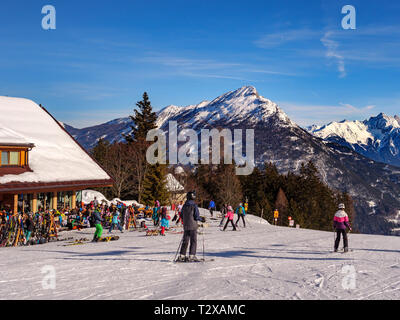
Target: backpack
{"x":91,"y":219}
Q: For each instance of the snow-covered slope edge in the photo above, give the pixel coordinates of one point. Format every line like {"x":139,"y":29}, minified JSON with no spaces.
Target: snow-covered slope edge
{"x":259,"y":262}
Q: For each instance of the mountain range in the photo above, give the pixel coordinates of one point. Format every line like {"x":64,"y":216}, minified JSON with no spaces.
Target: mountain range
{"x":373,"y":185}
{"x":377,"y":138}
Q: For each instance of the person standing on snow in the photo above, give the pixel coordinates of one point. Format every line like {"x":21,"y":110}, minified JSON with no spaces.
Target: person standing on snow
{"x":155,"y":216}
{"x":29,"y":226}
{"x":179,"y":217}
{"x":340,"y":223}
{"x":115,"y":221}
{"x":164,"y":220}
{"x":241,"y":212}
{"x":95,"y":202}
{"x":211,"y":207}
{"x":190,"y":215}
{"x":224,"y":211}
{"x":229,"y":216}
{"x":97,"y":220}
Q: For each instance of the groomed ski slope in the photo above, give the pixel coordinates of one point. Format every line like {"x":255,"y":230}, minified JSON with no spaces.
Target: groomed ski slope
{"x":258,"y":262}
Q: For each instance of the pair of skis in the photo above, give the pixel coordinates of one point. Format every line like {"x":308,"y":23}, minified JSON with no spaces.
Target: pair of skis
{"x":195,"y":261}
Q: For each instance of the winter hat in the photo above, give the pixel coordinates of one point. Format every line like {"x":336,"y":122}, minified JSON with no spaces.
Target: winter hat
{"x":341,"y":206}
{"x":191,"y":195}
{"x":230,"y":208}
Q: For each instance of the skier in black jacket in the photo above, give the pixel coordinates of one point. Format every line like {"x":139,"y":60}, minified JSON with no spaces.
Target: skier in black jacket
{"x":190,"y":215}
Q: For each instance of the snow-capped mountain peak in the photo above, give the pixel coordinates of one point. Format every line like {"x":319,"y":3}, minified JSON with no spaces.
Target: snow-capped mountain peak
{"x":382,"y":122}
{"x":377,"y":138}
{"x":238,"y":106}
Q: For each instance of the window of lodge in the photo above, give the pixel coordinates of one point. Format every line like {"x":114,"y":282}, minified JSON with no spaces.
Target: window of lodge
{"x":13,"y":158}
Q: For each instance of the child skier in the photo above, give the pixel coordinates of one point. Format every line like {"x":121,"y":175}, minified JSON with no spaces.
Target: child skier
{"x":229,"y":216}
{"x":340,"y":223}
{"x":164,"y":221}
{"x":115,"y":221}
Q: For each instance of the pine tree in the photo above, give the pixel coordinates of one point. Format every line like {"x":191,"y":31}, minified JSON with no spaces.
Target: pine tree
{"x":282,"y":204}
{"x":99,"y":152}
{"x":144,"y":120}
{"x":154,"y":185}
{"x":296,"y":213}
{"x":228,"y":187}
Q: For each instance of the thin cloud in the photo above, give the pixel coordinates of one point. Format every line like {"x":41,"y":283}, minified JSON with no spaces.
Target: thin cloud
{"x":280,"y":38}
{"x":321,"y":114}
{"x":208,"y":68}
{"x":332,"y":52}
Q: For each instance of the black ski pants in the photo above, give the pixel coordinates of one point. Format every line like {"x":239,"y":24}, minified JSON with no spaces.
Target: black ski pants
{"x":240,"y":216}
{"x":227,"y":222}
{"x":345,"y":240}
{"x":189,"y":236}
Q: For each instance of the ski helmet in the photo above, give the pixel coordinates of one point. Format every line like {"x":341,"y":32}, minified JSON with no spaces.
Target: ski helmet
{"x":191,"y":195}
{"x":341,"y":206}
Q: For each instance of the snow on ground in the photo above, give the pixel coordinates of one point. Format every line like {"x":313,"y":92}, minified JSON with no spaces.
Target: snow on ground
{"x":259,"y":262}
{"x":89,"y":195}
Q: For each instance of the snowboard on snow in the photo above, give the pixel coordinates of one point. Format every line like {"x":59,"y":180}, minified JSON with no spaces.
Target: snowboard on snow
{"x":77,"y":242}
{"x":108,"y":239}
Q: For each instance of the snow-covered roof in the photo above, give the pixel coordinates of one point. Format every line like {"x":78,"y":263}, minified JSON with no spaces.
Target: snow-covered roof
{"x":173,"y":185}
{"x":56,"y":156}
{"x":179,"y":170}
{"x":10,"y":137}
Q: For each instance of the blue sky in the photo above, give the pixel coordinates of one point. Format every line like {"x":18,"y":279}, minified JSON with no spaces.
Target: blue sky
{"x":104,"y":54}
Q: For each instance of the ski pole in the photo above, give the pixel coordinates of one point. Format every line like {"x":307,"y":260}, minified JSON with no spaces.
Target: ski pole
{"x":179,"y":247}
{"x":203,"y":245}
{"x":334,"y":238}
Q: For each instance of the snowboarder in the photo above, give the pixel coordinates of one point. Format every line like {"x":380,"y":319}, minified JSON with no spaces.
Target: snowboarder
{"x":241,"y":213}
{"x":97,"y":220}
{"x":229,"y":216}
{"x":340,"y":223}
{"x":211,"y":207}
{"x":190,"y":215}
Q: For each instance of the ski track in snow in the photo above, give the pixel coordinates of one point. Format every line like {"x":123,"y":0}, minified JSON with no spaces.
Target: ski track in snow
{"x":259,"y":262}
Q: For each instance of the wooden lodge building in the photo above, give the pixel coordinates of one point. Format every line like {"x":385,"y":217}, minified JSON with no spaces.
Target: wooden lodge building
{"x":41,"y":165}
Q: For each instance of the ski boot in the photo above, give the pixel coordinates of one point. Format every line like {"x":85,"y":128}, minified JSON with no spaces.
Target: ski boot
{"x":346,"y":249}
{"x":95,"y":238}
{"x":193,"y":258}
{"x":181,"y":258}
